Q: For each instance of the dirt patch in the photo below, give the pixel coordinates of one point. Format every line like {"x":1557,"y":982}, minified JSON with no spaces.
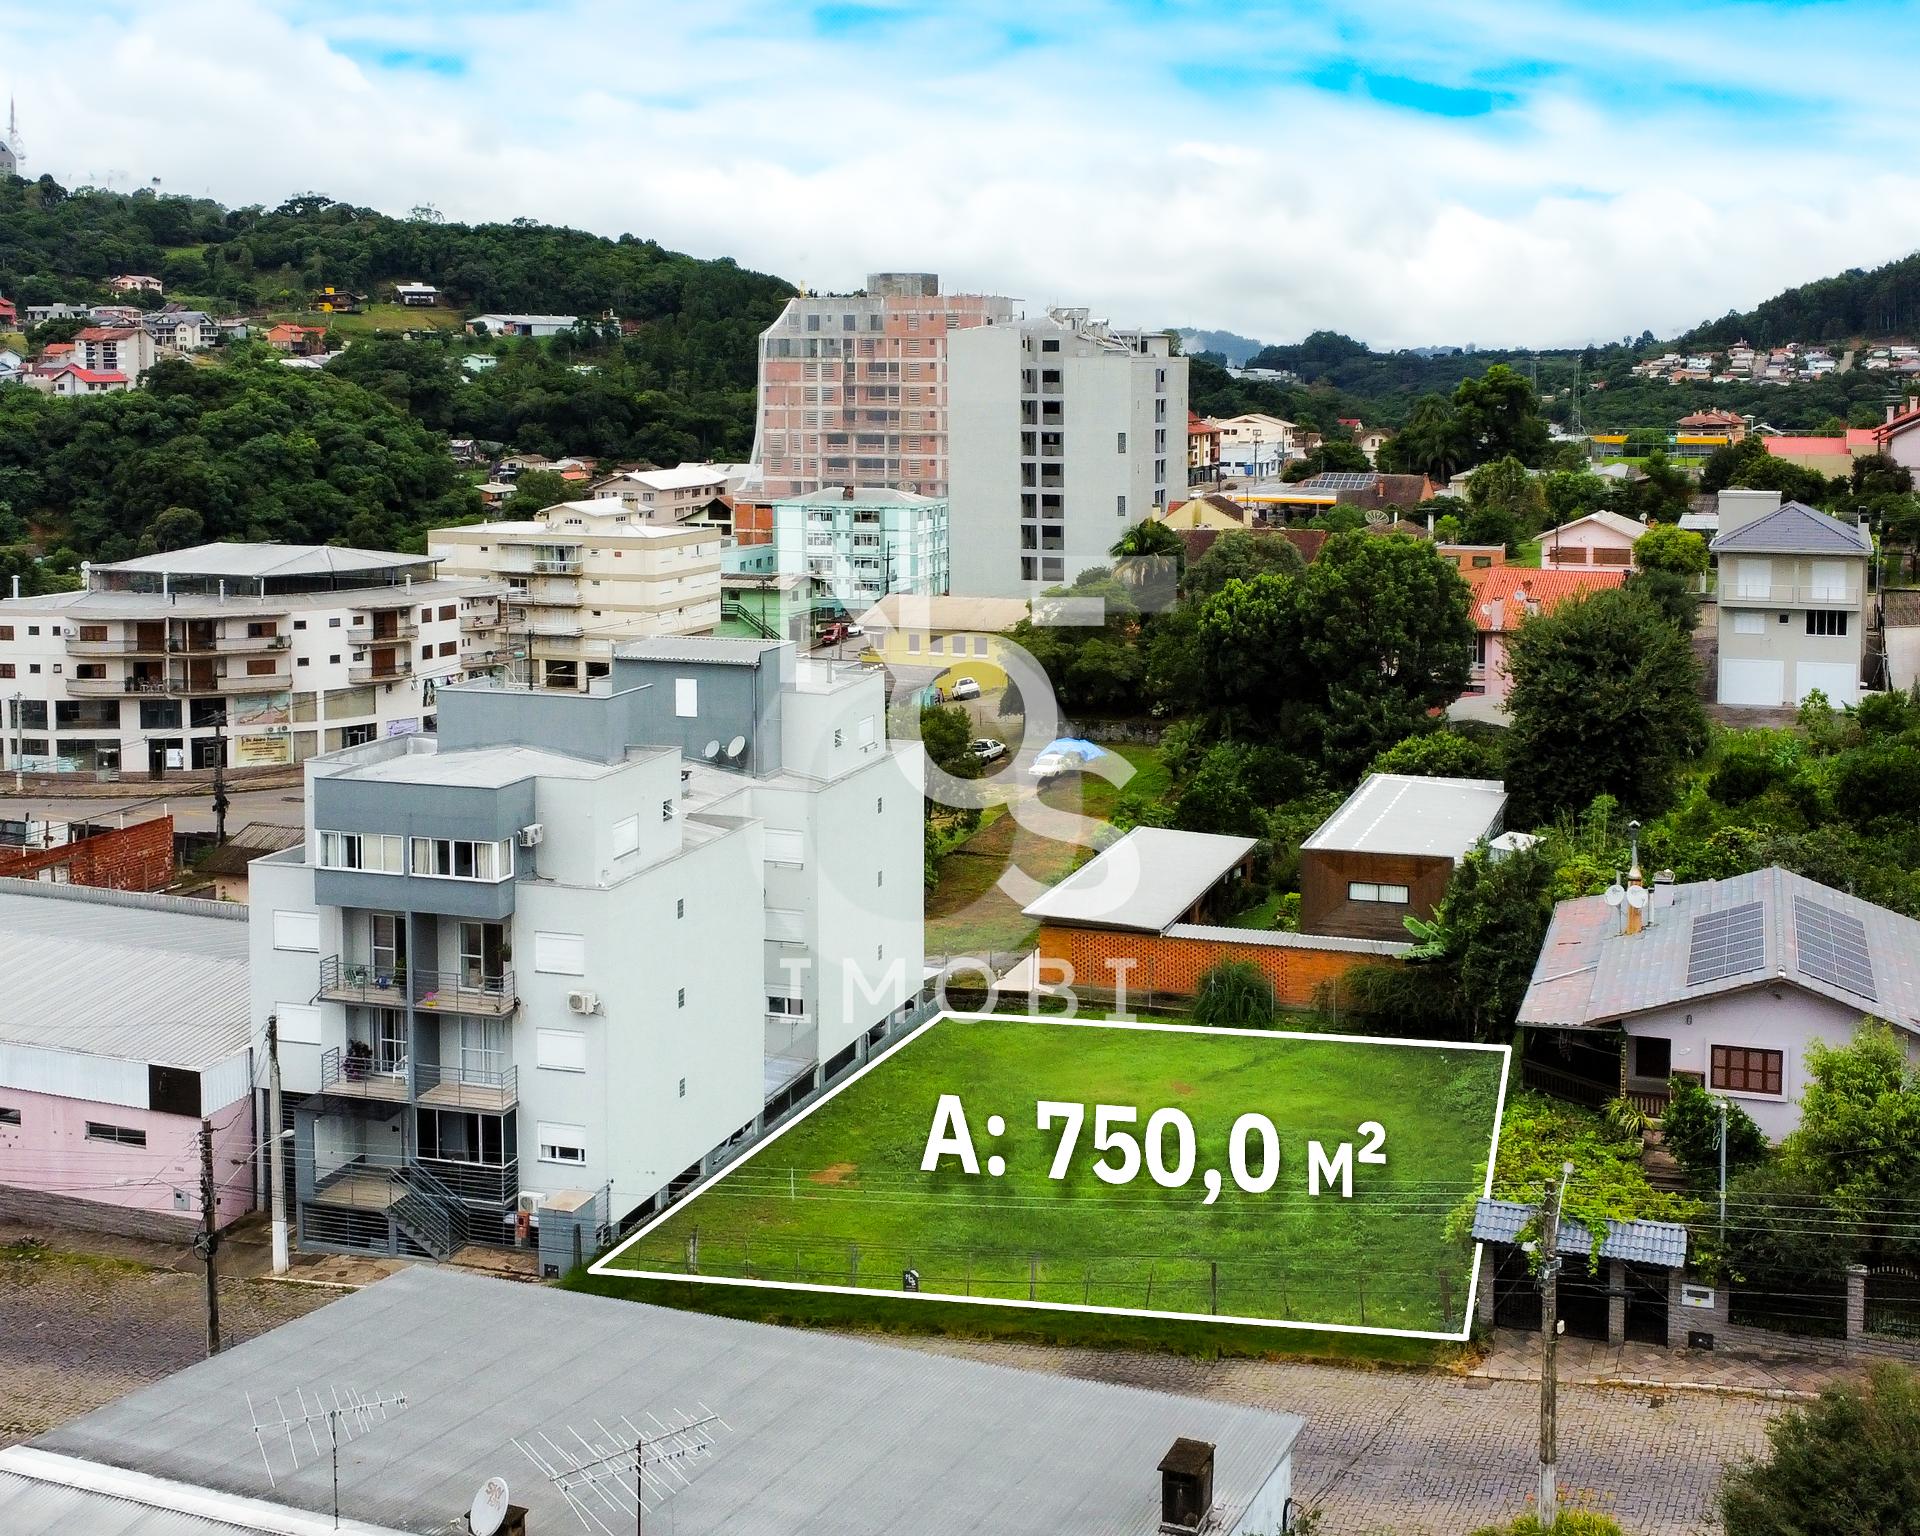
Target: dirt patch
{"x":1183,"y":1089}
{"x":837,"y":1174}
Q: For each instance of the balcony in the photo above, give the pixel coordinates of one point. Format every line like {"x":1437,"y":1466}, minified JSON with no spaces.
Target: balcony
{"x":490,"y":1091}
{"x":554,"y":594}
{"x":1786,"y":595}
{"x":363,"y":1076}
{"x":232,"y":644}
{"x":382,"y":671}
{"x":364,"y":630}
{"x":107,"y":687}
{"x":568,"y":565}
{"x":241,"y":682}
{"x":478,"y":621}
{"x":354,"y":981}
{"x":547,"y":629}
{"x":489,"y":1184}
{"x":465,"y":992}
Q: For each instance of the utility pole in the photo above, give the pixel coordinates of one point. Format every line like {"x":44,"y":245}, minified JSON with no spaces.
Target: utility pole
{"x":277,"y":1198}
{"x":1548,"y":1508}
{"x":208,"y":1240}
{"x":1723,"y":1170}
{"x":220,"y":801}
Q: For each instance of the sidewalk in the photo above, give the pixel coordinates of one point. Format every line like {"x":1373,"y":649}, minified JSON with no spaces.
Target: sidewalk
{"x":1515,"y":1356}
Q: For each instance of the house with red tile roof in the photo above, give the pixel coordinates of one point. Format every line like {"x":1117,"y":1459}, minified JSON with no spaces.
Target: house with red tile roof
{"x":1504,"y":597}
{"x":134,"y":283}
{"x":1715,"y":424}
{"x":1896,"y":436}
{"x":9,"y":316}
{"x":122,"y":349}
{"x":299,"y":340}
{"x":71,"y":379}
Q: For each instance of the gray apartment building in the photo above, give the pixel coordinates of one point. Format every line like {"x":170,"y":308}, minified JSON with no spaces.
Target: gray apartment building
{"x":581,"y":945}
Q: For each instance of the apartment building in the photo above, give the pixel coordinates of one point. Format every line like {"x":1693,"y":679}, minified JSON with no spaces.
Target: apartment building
{"x":1064,"y":432}
{"x":1791,"y":602}
{"x":279,"y":651}
{"x":128,"y":350}
{"x":681,"y":494}
{"x":584,"y":944}
{"x":1256,"y":446}
{"x":181,"y":329}
{"x":854,"y":390}
{"x":582,"y":576}
{"x":863,"y":543}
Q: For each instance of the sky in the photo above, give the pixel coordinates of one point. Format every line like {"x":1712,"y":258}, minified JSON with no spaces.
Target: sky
{"x":1505,"y":172}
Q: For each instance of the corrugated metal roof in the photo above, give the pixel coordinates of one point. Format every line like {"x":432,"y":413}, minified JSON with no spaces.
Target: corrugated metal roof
{"x":123,"y":979}
{"x":1145,"y":881}
{"x":1276,"y":939}
{"x":1590,"y":971}
{"x":827,"y":1436}
{"x":1402,"y":813}
{"x":1794,"y":529}
{"x":1637,"y":1242}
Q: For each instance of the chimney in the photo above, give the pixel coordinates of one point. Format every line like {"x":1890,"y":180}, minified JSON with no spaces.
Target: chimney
{"x":1636,"y":883}
{"x":1186,"y":1485}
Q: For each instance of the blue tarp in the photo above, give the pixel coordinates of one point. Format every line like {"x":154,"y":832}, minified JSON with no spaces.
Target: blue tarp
{"x":1073,"y":746}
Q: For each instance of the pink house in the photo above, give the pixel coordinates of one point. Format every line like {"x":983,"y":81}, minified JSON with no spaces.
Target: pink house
{"x":1504,"y":598}
{"x":123,"y":1025}
{"x":1599,"y":538}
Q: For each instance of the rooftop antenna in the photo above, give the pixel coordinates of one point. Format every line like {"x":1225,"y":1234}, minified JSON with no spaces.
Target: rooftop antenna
{"x":345,"y":1415}
{"x":627,"y":1472}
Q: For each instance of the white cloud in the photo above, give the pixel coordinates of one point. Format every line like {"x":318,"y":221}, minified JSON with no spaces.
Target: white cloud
{"x":1091,"y":169}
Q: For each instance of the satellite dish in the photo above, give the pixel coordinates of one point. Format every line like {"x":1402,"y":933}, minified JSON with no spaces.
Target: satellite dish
{"x":1637,"y":897}
{"x":736,"y":746}
{"x":1616,"y":893}
{"x":710,"y":751}
{"x":1378,"y":517}
{"x":489,"y":1508}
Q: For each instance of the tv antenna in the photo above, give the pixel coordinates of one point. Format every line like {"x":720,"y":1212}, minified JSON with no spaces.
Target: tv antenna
{"x":625,"y":1473}
{"x":345,"y":1416}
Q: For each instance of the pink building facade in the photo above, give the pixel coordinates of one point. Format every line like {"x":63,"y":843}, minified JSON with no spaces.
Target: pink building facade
{"x":1505,"y":597}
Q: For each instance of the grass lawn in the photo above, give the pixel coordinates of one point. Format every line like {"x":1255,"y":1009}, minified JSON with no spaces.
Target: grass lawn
{"x":376,"y":317}
{"x":1527,"y":554}
{"x":840,"y":1197}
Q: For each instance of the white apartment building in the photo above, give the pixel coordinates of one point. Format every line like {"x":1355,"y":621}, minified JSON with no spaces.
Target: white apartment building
{"x":582,"y":576}
{"x":283,"y":651}
{"x":127,"y":350}
{"x":1256,"y":446}
{"x":862,"y":544}
{"x":181,"y":329}
{"x":1064,"y":433}
{"x":584,"y":945}
{"x":676,"y":495}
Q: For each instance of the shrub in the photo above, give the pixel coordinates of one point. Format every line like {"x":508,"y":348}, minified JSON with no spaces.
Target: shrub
{"x":1235,"y":994}
{"x":1571,"y":1522}
{"x":1690,"y":1130}
{"x":1441,"y":755}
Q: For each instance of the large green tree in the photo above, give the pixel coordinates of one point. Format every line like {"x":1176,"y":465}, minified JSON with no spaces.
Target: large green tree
{"x":1499,"y":416}
{"x":1240,"y":556}
{"x":1605,"y":700}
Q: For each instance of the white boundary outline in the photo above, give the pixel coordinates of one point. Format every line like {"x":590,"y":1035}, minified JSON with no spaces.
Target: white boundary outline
{"x":607,"y":1266}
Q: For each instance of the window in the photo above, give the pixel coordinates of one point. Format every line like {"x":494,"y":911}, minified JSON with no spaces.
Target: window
{"x":1368,"y":890}
{"x":1120,"y":506}
{"x":9,"y":1116}
{"x":6,"y":631}
{"x":561,"y":1143}
{"x":426,"y":615}
{"x":173,"y":1091}
{"x":1123,"y":442}
{"x":448,"y":647}
{"x":299,"y":1023}
{"x":446,"y":610}
{"x":683,"y":1087}
{"x":93,"y":632}
{"x":1050,"y":344}
{"x":1736,"y":1069}
{"x":789,"y":1007}
{"x":1821,"y":621}
{"x":119,"y":1135}
{"x":6,"y":669}
{"x":297,"y":930}
{"x":560,"y":954}
{"x":560,"y":1050}
{"x":680,"y":907}
{"x":680,"y":997}
{"x":1652,"y":1057}
{"x":376,"y":853}
{"x":1751,"y":623}
{"x":453,"y":858}
{"x":783,"y":847}
{"x":686,"y":697}
{"x":626,"y":837}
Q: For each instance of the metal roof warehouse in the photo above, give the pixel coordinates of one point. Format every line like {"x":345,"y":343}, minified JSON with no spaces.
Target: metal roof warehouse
{"x":824,"y":1435}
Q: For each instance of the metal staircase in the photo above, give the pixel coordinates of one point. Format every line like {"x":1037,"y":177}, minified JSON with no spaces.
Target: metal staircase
{"x":428,"y":1212}
{"x":741,"y":614}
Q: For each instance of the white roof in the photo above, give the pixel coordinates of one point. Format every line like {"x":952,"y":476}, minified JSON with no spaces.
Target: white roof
{"x":1626,"y":527}
{"x":1146,"y":881}
{"x":266,"y":560}
{"x":483,"y":767}
{"x":680,"y":478}
{"x":1403,"y":813}
{"x":863,"y":496}
{"x":563,"y":321}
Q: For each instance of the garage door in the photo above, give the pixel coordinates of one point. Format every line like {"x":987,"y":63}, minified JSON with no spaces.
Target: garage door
{"x":1838,"y":680}
{"x":1761,"y":683}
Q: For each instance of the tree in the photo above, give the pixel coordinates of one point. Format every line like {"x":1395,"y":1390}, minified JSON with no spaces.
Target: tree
{"x":172,"y":528}
{"x":1441,"y":755}
{"x":1432,"y":443}
{"x":1239,"y":556}
{"x":1573,"y":494}
{"x":1664,"y":547}
{"x":1690,"y":1130}
{"x":1149,"y":536}
{"x":1505,"y":504}
{"x":946,"y":731}
{"x":1842,"y":1466}
{"x":1605,"y":700}
{"x":1878,"y":474}
{"x":1498,"y":417}
{"x":1674,"y":595}
{"x":1859,"y":1132}
{"x":1235,"y":994}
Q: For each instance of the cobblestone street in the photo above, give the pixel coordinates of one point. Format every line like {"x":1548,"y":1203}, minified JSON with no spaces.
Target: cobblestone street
{"x":76,"y":1332}
{"x":1391,"y":1453}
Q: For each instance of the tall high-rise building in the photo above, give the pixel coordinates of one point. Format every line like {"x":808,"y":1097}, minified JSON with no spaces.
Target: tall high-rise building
{"x":854,"y":390}
{"x":1062,"y":433}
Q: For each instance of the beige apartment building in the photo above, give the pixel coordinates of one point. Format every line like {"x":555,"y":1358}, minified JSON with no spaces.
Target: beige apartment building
{"x":583,"y":576}
{"x":854,"y":389}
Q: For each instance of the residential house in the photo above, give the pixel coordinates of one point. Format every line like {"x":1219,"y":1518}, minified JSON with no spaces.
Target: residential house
{"x":9,"y":316}
{"x":181,"y":330}
{"x":520,"y":325}
{"x":1724,"y":981}
{"x":1468,"y":558}
{"x":1599,"y":538}
{"x":907,"y":633}
{"x":582,"y":576}
{"x":233,"y":327}
{"x":1256,"y":446}
{"x":1203,"y":451}
{"x":585,"y":941}
{"x":416,"y":295}
{"x":40,"y":314}
{"x":1213,"y":509}
{"x":224,"y":868}
{"x":1831,"y":455}
{"x":270,"y":652}
{"x":1896,"y":436}
{"x":134,"y":283}
{"x":1718,"y":426}
{"x":123,"y":1024}
{"x":297,"y":340}
{"x":127,"y":350}
{"x":1792,"y":602}
{"x":684,"y":493}
{"x":1389,"y":851}
{"x":800,"y":1410}
{"x":68,"y":379}
{"x":1503,"y":597}
{"x":1370,"y":440}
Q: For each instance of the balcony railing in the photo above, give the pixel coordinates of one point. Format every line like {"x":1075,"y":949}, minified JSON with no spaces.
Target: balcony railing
{"x":1786,"y":595}
{"x":355,"y":981}
{"x":489,"y":1184}
{"x":367,"y":1075}
{"x":566,"y":566}
{"x":242,"y":682}
{"x":465,"y":992}
{"x":363,"y":630}
{"x":479,"y":620}
{"x":554,"y":594}
{"x":448,"y":1087}
{"x":381,"y":672}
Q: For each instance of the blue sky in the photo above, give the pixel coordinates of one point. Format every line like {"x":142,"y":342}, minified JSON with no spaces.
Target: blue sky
{"x":1549,"y":172}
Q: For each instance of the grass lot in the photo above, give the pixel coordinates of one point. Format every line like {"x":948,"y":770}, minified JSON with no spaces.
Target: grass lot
{"x":375,"y":317}
{"x":840,"y":1198}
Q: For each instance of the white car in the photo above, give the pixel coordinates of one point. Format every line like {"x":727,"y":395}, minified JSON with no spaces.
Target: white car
{"x":1050,"y":765}
{"x":988,"y":750}
{"x":965,"y":688}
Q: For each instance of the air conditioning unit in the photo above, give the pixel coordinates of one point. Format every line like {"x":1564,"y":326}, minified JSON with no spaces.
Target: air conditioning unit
{"x":583,"y":1002}
{"x":532,"y":835}
{"x":530,"y":1201}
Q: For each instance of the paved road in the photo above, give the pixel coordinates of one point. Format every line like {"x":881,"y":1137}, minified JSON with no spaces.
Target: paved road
{"x":1393,"y":1453}
{"x":191,"y":813}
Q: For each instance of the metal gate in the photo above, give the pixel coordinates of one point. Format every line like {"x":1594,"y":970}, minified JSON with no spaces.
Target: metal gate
{"x":1893,"y":1301}
{"x":1646,"y":1304}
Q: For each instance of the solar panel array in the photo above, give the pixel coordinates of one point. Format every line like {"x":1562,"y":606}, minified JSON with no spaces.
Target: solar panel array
{"x":1344,"y":480}
{"x":1833,"y":947}
{"x":1727,"y":943}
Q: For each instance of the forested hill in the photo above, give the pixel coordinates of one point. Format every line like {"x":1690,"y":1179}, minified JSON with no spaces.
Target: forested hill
{"x":1881,"y":304}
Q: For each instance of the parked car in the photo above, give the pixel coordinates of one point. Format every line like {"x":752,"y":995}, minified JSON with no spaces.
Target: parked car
{"x":965,"y":688}
{"x":988,"y":750}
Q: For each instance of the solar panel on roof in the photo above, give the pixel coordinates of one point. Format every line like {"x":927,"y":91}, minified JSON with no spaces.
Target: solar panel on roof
{"x":1344,"y":480}
{"x":1833,"y":946}
{"x":1727,"y":943}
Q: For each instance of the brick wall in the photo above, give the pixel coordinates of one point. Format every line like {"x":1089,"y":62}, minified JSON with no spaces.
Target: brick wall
{"x":1162,"y":963}
{"x":135,"y":858}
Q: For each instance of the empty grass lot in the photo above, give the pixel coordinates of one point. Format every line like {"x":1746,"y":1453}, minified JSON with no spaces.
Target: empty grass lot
{"x":840,"y":1198}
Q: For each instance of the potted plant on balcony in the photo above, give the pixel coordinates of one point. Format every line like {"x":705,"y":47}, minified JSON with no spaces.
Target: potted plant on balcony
{"x":359,"y":1060}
